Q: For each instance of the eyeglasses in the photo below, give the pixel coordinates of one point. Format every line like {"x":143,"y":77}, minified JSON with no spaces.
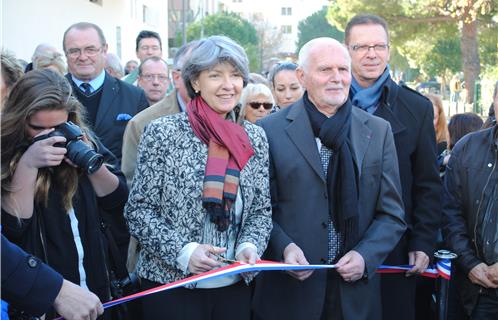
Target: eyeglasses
{"x":256,"y":105}
{"x":362,"y":49}
{"x":151,"y":77}
{"x":74,"y":53}
{"x":153,"y":48}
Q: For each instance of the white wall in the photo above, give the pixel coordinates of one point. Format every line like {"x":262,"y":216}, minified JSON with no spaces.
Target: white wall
{"x":26,"y":23}
{"x":272,"y":11}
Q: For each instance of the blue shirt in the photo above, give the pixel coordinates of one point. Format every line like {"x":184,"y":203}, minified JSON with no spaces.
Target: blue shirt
{"x":95,"y":84}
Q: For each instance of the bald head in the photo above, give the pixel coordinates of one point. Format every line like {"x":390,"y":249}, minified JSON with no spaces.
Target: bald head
{"x":325,"y":72}
{"x":316,"y":45}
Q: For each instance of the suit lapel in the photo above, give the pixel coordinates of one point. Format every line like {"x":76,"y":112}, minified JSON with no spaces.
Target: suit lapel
{"x":360,"y":136}
{"x":301,"y":134}
{"x":110,"y":90}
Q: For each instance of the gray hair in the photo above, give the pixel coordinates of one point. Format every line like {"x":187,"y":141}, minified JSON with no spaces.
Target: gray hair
{"x":210,"y":52}
{"x":306,"y":49}
{"x":84,"y":26}
{"x":183,"y":54}
{"x":154,"y":59}
{"x":48,"y":59}
{"x":113,"y":62}
{"x":251,"y":90}
{"x":43,"y":49}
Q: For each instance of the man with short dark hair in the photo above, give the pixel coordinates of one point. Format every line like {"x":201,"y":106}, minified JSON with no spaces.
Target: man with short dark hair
{"x":109,"y":102}
{"x":411,"y":117}
{"x":148,"y":44}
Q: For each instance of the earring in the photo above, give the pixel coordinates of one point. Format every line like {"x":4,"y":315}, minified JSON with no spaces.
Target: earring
{"x":196,"y":91}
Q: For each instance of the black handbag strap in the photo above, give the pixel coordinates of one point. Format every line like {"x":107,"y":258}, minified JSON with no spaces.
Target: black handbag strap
{"x":118,"y":265}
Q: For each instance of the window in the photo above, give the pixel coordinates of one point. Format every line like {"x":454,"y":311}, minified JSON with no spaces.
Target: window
{"x":287,"y":29}
{"x":286,"y":11}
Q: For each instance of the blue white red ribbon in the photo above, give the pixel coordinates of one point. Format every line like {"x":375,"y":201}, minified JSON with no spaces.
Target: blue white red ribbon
{"x":443,"y":269}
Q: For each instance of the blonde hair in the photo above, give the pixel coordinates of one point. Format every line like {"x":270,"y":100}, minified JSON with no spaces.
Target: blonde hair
{"x":251,"y":90}
{"x":442,"y":126}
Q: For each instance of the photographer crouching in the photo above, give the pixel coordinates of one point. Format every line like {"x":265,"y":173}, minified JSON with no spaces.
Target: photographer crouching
{"x":57,"y":179}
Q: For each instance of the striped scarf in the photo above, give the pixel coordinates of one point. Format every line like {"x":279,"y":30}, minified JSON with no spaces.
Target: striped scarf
{"x":229,"y":149}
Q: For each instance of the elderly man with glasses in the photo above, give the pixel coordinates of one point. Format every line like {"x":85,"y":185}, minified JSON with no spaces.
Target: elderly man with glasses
{"x":153,"y":78}
{"x":109,"y":103}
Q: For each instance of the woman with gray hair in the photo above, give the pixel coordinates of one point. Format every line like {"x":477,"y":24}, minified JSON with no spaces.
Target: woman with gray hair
{"x":256,"y":102}
{"x":50,"y":60}
{"x":200,"y":195}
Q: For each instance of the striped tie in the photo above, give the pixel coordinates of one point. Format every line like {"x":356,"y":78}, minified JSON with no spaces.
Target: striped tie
{"x":86,"y":88}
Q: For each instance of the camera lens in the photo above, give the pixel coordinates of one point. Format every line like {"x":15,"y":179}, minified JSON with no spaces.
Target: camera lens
{"x":84,"y":156}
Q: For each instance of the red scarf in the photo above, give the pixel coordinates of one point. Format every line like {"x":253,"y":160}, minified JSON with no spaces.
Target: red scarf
{"x":229,"y":149}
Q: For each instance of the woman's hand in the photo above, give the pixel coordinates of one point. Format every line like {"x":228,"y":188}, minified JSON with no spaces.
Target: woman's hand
{"x":202,"y":258}
{"x":248,"y":255}
{"x":43,"y":154}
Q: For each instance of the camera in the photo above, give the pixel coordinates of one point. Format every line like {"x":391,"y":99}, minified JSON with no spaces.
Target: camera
{"x":77,"y":150}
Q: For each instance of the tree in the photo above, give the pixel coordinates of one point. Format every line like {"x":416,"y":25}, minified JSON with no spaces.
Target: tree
{"x":428,"y":19}
{"x":232,"y":26}
{"x":316,"y":26}
{"x":269,"y":40}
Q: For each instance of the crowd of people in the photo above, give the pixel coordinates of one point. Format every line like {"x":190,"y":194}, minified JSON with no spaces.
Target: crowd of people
{"x":118,"y":179}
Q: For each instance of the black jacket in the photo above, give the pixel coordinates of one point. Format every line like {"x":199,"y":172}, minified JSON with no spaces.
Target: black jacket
{"x":48,"y":234}
{"x":27,"y":283}
{"x":471,"y":177}
{"x":411,"y":117}
{"x":120,"y":101}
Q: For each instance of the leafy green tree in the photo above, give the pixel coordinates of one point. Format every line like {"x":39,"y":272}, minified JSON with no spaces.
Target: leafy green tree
{"x":232,"y":26}
{"x":427,"y":21}
{"x":316,"y":26}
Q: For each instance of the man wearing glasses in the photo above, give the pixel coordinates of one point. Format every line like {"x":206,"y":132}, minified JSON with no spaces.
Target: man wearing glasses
{"x":153,"y":78}
{"x":148,"y":44}
{"x":411,"y":118}
{"x":109,"y":102}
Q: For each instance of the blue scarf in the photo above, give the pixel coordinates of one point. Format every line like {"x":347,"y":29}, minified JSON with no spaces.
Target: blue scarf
{"x":368,"y":98}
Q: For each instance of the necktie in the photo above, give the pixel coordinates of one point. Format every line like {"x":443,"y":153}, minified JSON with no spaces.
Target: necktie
{"x":86,"y":88}
{"x":333,"y":235}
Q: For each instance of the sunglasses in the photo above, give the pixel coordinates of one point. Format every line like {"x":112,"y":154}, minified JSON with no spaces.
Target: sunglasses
{"x":266,"y":105}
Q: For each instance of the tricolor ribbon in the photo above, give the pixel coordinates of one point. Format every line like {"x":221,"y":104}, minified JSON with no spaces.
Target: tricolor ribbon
{"x":443,"y":268}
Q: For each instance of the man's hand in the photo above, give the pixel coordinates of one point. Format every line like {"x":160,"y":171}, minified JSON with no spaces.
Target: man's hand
{"x":294,"y":255}
{"x":202,"y":260}
{"x":478,"y":275}
{"x":492,"y":273}
{"x":75,"y":303}
{"x":351,"y":266}
{"x":419,"y":260}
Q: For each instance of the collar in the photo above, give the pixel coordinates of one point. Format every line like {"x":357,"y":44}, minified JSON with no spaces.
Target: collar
{"x":181,"y":103}
{"x":94,"y":83}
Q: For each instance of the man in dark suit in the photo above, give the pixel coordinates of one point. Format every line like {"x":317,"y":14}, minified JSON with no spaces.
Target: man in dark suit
{"x":32,"y":286}
{"x":411,"y":118}
{"x":109,"y":102}
{"x":336,"y":197}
